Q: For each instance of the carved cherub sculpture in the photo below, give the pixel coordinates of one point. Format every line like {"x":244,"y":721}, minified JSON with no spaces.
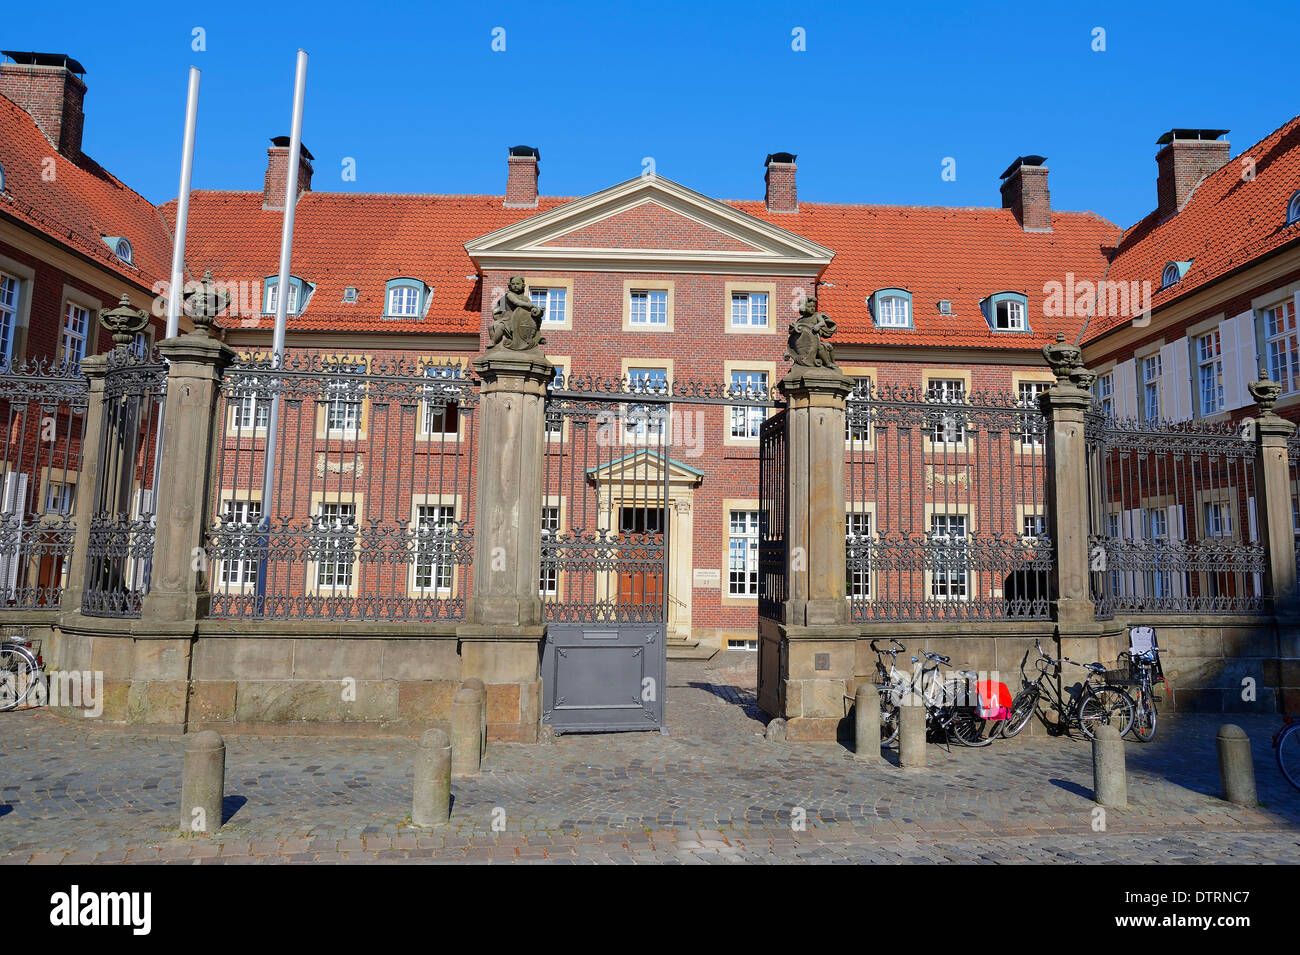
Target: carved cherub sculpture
{"x":516,"y":320}
{"x":810,"y":338}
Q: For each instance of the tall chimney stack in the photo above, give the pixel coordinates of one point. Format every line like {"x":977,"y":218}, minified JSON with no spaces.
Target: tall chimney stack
{"x":521,"y":177}
{"x":1188,"y":156}
{"x":1024,"y":192}
{"x":782,"y":193}
{"x":49,"y":87}
{"x":277,"y":168}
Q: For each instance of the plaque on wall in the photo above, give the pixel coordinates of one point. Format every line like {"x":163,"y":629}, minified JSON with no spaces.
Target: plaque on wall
{"x":705,"y":577}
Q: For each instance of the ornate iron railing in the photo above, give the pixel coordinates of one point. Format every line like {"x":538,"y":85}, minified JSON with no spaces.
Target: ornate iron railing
{"x":44,"y":411}
{"x":773,"y":587}
{"x":947,"y":514}
{"x":371,"y":512}
{"x":1173,"y":523}
{"x":121,"y":532}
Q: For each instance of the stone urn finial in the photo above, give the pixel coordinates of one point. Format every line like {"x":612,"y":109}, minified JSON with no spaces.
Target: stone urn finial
{"x":1265,"y":392}
{"x":1065,"y":360}
{"x":124,"y":321}
{"x":205,"y":303}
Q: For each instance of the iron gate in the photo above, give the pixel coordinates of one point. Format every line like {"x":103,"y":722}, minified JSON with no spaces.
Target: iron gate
{"x":604,"y":568}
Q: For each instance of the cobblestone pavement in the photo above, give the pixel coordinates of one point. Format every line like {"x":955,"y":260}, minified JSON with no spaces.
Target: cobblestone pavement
{"x":712,"y":791}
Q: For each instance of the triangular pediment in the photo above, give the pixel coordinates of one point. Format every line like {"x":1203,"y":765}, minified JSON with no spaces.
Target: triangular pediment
{"x":649,"y":224}
{"x":645,"y":469}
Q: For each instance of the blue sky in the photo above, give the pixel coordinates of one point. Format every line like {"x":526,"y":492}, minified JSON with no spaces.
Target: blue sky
{"x":873,"y":105}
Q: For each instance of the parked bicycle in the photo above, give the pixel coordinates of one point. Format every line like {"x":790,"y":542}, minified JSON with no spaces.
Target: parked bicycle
{"x":1143,"y":672}
{"x":20,"y":668}
{"x":1099,"y":702}
{"x":891,"y":684}
{"x":950,"y":700}
{"x":1287,"y":743}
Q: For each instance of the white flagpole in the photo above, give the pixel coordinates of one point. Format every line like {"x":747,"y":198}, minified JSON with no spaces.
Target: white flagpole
{"x":281,"y":309}
{"x":183,"y":208}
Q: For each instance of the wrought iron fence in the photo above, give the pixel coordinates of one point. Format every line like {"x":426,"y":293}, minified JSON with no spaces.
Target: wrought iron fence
{"x":121,"y":533}
{"x":1173,"y":517}
{"x":946,"y":505}
{"x":371,"y":507}
{"x":1293,"y":473}
{"x":773,"y":588}
{"x":44,"y":411}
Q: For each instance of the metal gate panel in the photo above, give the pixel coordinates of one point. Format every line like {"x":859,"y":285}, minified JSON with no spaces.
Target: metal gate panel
{"x":604,"y":678}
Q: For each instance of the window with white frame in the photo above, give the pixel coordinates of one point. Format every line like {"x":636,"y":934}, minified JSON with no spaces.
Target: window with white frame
{"x":1104,"y":391}
{"x":892,"y":311}
{"x":555,"y":301}
{"x":1170,"y":275}
{"x":249,"y":412}
{"x":272,"y":297}
{"x":1032,"y":526}
{"x":1283,"y":346}
{"x":746,"y":420}
{"x":441,"y":410}
{"x":1218,"y":519}
{"x":1151,"y":387}
{"x":948,"y":580}
{"x":1155,"y":520}
{"x":403,"y":301}
{"x":339,"y":521}
{"x":949,"y":427}
{"x":1293,"y":209}
{"x":1032,"y":431}
{"x":749,"y":309}
{"x":646,"y":421}
{"x":58,"y":497}
{"x":742,"y":554}
{"x":435,"y":525}
{"x":857,"y":538}
{"x":72,"y":340}
{"x":343,"y":406}
{"x":549,"y":582}
{"x":8,"y":314}
{"x":858,"y":431}
{"x":648,"y":307}
{"x":1009,"y":315}
{"x":741,"y":643}
{"x":555,"y":422}
{"x":239,"y":572}
{"x":1209,"y":370}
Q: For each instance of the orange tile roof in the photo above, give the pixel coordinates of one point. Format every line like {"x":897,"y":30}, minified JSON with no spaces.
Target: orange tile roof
{"x":81,"y":204}
{"x":1228,"y":221}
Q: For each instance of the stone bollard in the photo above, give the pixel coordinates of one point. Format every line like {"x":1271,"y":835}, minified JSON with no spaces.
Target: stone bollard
{"x":911,"y":735}
{"x":866,"y":722}
{"x":1236,"y":766}
{"x":203,"y":782}
{"x":431,"y":805}
{"x":1109,"y":781}
{"x":466,"y":753}
{"x":474,"y":683}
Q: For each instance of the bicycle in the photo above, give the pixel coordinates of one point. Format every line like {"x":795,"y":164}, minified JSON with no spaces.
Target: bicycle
{"x":20,"y":666}
{"x":950,"y":715}
{"x":1143,"y":671}
{"x":1287,"y":743}
{"x":891,"y":686}
{"x":1098,"y":703}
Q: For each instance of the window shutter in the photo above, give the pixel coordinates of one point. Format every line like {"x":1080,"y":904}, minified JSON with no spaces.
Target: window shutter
{"x":1176,"y":380}
{"x":1240,"y":364}
{"x":1125,"y":378}
{"x":12,"y":513}
{"x":1177,"y":535}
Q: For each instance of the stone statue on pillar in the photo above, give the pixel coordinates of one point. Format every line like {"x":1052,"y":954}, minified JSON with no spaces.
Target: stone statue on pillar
{"x":516,"y":321}
{"x":810,"y":336}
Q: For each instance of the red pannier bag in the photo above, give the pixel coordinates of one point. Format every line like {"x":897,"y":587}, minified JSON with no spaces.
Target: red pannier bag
{"x":994,"y":700}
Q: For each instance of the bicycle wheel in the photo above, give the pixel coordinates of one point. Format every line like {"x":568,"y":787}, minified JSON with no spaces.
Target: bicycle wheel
{"x":1105,"y":704}
{"x":1022,"y":708}
{"x":888,"y":720}
{"x":17,"y":677}
{"x":1144,"y":718}
{"x":969,"y":729}
{"x":1288,"y":755}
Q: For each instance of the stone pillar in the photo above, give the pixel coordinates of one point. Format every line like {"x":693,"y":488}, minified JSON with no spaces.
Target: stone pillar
{"x":681,"y":565}
{"x":1064,"y":407}
{"x":1273,"y":497}
{"x":817,"y":638}
{"x":502,"y":634}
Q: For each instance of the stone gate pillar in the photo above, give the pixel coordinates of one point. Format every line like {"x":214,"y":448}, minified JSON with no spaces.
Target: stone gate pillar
{"x":1273,"y":494}
{"x":503,"y":630}
{"x":817,"y":640}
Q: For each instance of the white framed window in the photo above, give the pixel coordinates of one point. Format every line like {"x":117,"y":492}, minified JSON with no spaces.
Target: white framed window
{"x":58,"y":497}
{"x":740,"y":643}
{"x":555,"y":423}
{"x":858,"y":431}
{"x":747,"y":420}
{"x":742,"y":554}
{"x":1104,"y":390}
{"x":434,"y":526}
{"x":892,"y":312}
{"x":250,"y":412}
{"x":749,"y":309}
{"x":947,"y":427}
{"x":648,"y":307}
{"x":343,"y":408}
{"x":1283,"y":346}
{"x":1032,"y":431}
{"x":644,"y":422}
{"x":272,"y":297}
{"x":441,"y":414}
{"x":857,"y":537}
{"x":1009,"y":315}
{"x":1155,"y":521}
{"x":556,"y":303}
{"x":76,"y":326}
{"x":1293,"y":209}
{"x":949,"y":579}
{"x":1218,"y":519}
{"x":1032,"y":526}
{"x":1151,"y":387}
{"x":334,"y":571}
{"x":403,"y":301}
{"x":8,"y":314}
{"x":549,"y":582}
{"x":239,"y":572}
{"x":1170,"y":275}
{"x":1209,"y":370}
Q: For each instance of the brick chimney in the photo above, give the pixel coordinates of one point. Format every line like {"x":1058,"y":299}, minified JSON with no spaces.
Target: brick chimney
{"x":277,"y":167}
{"x":521,"y":177}
{"x":50,"y":88}
{"x":782,"y":194}
{"x":1188,"y":156}
{"x":1024,"y":192}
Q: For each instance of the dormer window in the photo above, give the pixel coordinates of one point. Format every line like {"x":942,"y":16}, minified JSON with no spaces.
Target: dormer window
{"x":1173,"y":273}
{"x":1292,"y":208}
{"x":121,"y":248}
{"x":350,"y":294}
{"x":892,"y":308}
{"x":404,"y":298}
{"x":1007,"y":312}
{"x":945,"y":306}
{"x":299,"y":292}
